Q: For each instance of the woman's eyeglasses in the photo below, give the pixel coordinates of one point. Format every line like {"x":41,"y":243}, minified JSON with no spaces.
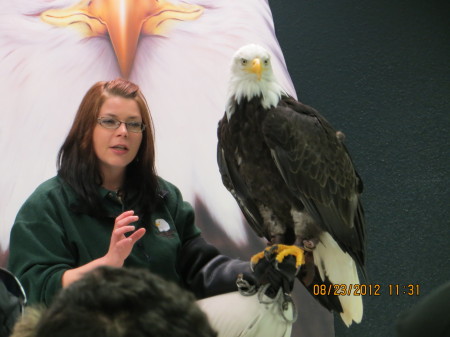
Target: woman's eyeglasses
{"x":112,"y":123}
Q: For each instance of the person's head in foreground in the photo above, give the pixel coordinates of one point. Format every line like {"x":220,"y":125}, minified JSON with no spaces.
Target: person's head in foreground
{"x":122,"y":302}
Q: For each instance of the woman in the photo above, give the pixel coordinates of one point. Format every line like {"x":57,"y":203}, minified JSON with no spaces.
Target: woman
{"x":107,"y":207}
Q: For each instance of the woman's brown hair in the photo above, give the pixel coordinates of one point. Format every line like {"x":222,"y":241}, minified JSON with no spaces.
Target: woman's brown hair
{"x":78,"y":164}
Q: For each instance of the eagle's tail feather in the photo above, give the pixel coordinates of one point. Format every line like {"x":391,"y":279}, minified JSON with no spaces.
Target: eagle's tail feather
{"x":340,"y":269}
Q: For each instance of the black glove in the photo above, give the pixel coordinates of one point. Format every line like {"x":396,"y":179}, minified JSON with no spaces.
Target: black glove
{"x":274,"y":275}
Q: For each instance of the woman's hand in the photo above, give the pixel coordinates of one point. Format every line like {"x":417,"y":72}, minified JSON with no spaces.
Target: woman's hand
{"x":120,"y":245}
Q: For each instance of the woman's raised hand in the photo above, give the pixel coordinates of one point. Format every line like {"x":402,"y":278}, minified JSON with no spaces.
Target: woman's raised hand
{"x":121,"y":245}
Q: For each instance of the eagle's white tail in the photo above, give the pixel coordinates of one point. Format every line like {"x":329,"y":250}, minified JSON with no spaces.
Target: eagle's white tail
{"x":340,"y":269}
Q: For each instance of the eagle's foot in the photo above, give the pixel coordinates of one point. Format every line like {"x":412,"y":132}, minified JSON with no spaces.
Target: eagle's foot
{"x":280,"y":252}
{"x":284,"y":251}
{"x":256,"y":258}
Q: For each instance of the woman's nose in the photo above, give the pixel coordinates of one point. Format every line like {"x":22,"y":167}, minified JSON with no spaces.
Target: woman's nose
{"x":122,"y":129}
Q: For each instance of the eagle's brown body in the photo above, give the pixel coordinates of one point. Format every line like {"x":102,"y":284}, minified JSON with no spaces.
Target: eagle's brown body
{"x":293,"y":177}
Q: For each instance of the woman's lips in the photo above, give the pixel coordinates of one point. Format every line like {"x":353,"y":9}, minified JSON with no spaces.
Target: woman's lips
{"x":119,"y":149}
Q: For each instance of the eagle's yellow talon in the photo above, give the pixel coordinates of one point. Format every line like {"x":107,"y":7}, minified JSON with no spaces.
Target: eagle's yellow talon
{"x":285,"y":250}
{"x":255,"y":258}
{"x":281,"y":252}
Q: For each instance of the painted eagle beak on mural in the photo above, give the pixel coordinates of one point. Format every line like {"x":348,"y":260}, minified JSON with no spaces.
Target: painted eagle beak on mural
{"x":282,"y":162}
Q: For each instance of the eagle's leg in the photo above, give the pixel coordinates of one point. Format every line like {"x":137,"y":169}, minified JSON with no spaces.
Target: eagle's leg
{"x":276,"y":239}
{"x":306,"y":231}
{"x":277,"y":232}
{"x":275,"y":227}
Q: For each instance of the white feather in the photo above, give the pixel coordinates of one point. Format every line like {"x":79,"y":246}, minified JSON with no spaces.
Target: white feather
{"x":340,"y":269}
{"x":46,"y":70}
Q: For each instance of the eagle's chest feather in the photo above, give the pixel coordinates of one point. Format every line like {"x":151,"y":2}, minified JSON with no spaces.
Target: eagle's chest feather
{"x":253,"y":156}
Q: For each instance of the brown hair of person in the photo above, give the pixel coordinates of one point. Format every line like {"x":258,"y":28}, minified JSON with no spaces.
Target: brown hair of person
{"x":78,"y":164}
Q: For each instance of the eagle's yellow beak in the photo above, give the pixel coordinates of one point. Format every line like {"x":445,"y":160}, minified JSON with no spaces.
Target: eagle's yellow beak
{"x":256,"y":67}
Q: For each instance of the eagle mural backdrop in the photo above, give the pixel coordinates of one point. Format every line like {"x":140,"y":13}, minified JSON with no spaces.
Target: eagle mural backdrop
{"x":178,"y":52}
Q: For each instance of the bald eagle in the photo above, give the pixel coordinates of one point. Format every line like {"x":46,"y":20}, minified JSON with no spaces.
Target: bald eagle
{"x":294,"y":180}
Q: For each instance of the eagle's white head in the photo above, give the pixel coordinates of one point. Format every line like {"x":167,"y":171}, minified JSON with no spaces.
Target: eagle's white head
{"x":252,"y":75}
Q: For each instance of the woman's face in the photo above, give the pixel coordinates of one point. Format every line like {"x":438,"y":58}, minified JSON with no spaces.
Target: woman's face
{"x":116,"y":148}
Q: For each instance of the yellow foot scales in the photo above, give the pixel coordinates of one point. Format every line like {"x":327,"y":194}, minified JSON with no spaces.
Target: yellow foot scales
{"x":281,"y":251}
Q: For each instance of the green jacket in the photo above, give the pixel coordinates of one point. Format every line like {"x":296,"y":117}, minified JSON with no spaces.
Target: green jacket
{"x":49,"y":238}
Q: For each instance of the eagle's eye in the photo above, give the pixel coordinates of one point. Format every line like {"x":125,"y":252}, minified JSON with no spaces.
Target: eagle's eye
{"x":266,"y":62}
{"x":243,"y":61}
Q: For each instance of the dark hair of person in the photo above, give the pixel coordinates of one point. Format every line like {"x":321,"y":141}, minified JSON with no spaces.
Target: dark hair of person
{"x":123,"y":302}
{"x":78,"y":164}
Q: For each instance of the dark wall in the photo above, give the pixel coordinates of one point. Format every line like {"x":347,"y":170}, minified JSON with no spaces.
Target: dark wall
{"x":380,"y":72}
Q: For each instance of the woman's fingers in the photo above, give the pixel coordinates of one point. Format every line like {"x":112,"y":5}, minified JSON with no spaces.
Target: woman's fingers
{"x":121,"y":244}
{"x":123,"y":230}
{"x":125,"y":219}
{"x":137,"y":235}
{"x":124,"y":246}
{"x":124,"y":215}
